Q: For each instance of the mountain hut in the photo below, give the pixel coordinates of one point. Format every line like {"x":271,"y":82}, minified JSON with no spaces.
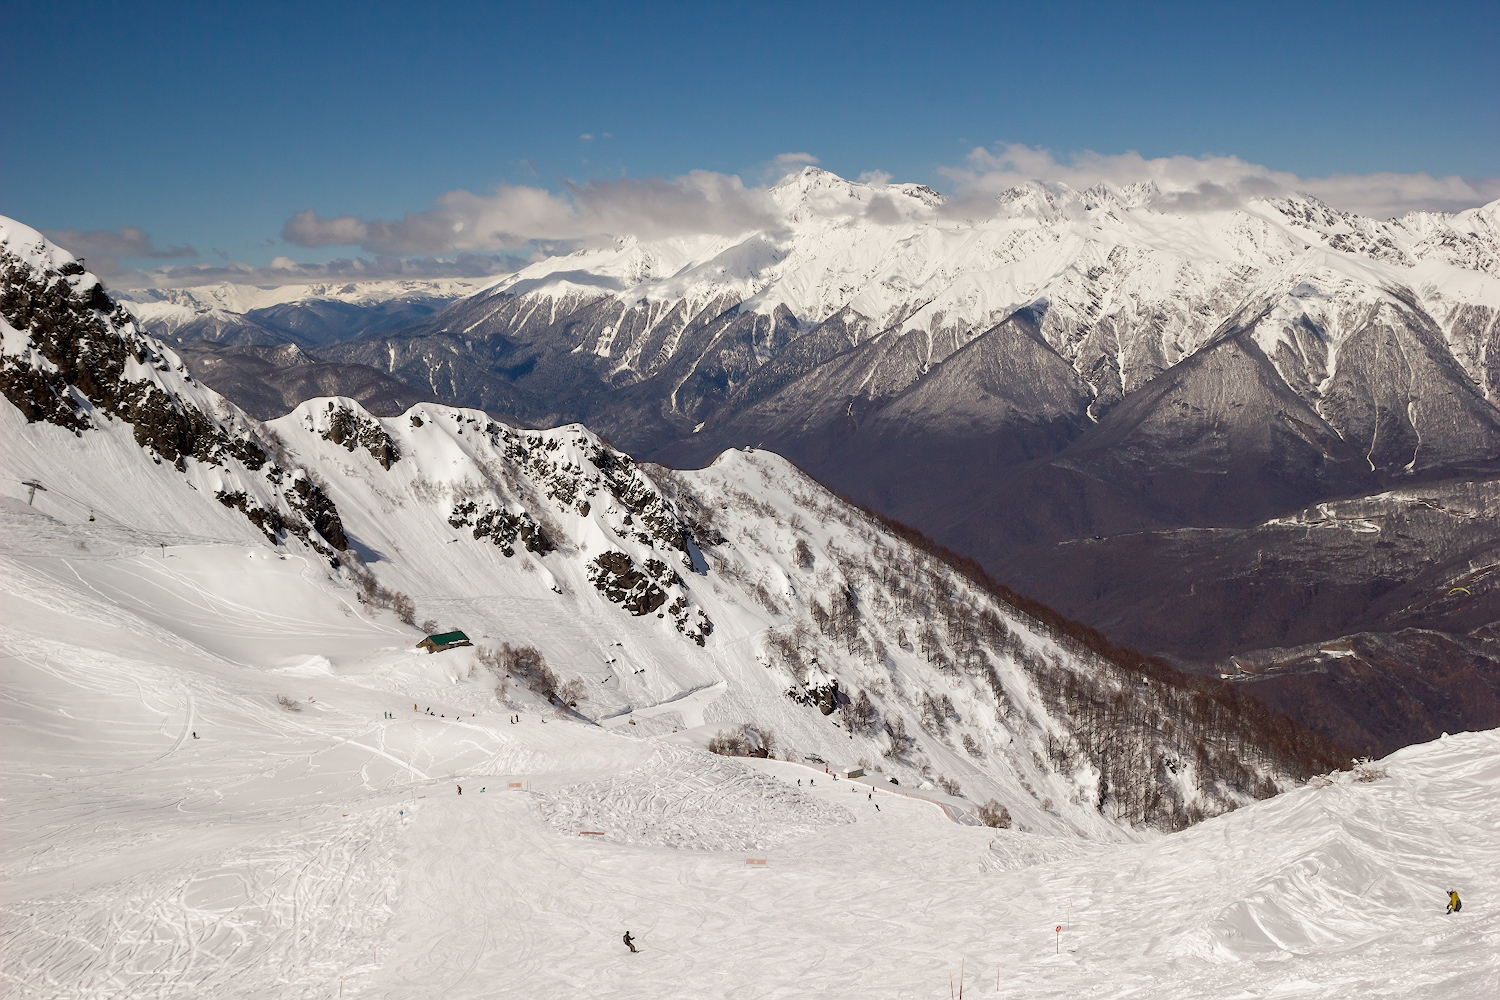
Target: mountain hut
{"x":444,"y":640}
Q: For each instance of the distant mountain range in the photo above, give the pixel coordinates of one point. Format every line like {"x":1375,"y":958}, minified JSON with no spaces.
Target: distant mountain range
{"x":1105,"y":399}
{"x":308,"y":314}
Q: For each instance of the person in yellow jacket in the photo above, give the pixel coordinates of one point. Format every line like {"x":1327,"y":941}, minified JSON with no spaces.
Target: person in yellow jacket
{"x":1454,"y":903}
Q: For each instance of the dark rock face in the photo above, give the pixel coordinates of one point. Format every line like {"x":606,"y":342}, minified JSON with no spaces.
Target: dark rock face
{"x":644,"y":590}
{"x":306,"y":497}
{"x":615,"y":576}
{"x":501,"y":527}
{"x":352,"y":432}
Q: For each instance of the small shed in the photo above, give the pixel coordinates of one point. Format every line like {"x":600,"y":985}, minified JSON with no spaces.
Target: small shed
{"x":444,"y":640}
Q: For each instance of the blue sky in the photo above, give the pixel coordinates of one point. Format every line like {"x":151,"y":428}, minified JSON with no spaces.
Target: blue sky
{"x":208,"y":126}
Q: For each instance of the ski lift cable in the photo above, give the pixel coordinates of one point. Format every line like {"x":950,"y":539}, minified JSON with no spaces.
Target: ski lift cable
{"x":156,"y":536}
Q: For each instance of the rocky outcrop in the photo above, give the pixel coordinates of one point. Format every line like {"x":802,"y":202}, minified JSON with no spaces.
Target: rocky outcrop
{"x":501,"y":527}
{"x":84,"y":360}
{"x":352,"y":431}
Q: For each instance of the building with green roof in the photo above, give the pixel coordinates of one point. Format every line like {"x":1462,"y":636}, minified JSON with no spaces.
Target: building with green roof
{"x":444,"y":640}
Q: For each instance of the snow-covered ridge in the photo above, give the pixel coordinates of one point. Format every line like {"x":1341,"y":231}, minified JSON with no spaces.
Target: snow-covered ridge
{"x":1122,"y":284}
{"x":76,"y":361}
{"x":898,"y":256}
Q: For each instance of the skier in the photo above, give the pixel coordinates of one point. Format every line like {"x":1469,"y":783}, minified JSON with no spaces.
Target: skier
{"x":1454,"y":903}
{"x":630,"y":943}
{"x":460,"y":789}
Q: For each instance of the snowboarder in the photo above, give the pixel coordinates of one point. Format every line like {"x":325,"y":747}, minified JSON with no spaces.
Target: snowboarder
{"x":460,"y":789}
{"x":1454,"y":903}
{"x":630,"y":943}
{"x":195,"y":735}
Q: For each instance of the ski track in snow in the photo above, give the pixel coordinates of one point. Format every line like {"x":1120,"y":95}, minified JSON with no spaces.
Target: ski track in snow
{"x":288,"y":847}
{"x":681,"y":799}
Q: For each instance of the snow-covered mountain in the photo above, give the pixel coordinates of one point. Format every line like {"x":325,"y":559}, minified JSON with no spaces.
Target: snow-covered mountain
{"x":894,"y":280}
{"x":305,"y":314}
{"x":1248,"y":360}
{"x":741,"y":594}
{"x":214,"y":784}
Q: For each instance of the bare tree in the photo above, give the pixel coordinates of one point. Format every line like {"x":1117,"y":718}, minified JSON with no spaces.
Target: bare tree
{"x":901,"y":741}
{"x":862,"y":716}
{"x":994,"y":814}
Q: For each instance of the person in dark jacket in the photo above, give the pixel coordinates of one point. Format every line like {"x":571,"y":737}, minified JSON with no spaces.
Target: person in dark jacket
{"x":629,"y":941}
{"x":1454,"y":903}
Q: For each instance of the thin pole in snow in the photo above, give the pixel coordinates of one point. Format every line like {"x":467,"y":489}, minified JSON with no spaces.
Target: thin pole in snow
{"x":1058,"y":949}
{"x":960,"y":979}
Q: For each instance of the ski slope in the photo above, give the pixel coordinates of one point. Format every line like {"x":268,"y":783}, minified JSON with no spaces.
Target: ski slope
{"x":298,"y":852}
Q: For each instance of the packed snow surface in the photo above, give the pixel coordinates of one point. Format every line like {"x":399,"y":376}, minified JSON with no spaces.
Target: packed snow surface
{"x":224,"y":777}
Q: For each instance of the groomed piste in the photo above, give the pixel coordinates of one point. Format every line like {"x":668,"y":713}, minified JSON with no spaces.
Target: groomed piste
{"x":204,"y":796}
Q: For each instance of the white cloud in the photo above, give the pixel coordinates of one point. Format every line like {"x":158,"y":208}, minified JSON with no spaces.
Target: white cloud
{"x":1191,"y":183}
{"x":782,"y":164}
{"x":517,"y":216}
{"x":1384,"y":194}
{"x":882,"y":209}
{"x":466,"y":234}
{"x":103,"y":248}
{"x":286,"y":271}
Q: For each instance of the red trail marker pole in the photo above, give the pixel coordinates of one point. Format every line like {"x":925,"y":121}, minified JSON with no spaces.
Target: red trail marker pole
{"x":1057,"y":950}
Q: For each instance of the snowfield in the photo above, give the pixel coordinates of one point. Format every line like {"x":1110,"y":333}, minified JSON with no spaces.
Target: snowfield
{"x":171,"y":829}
